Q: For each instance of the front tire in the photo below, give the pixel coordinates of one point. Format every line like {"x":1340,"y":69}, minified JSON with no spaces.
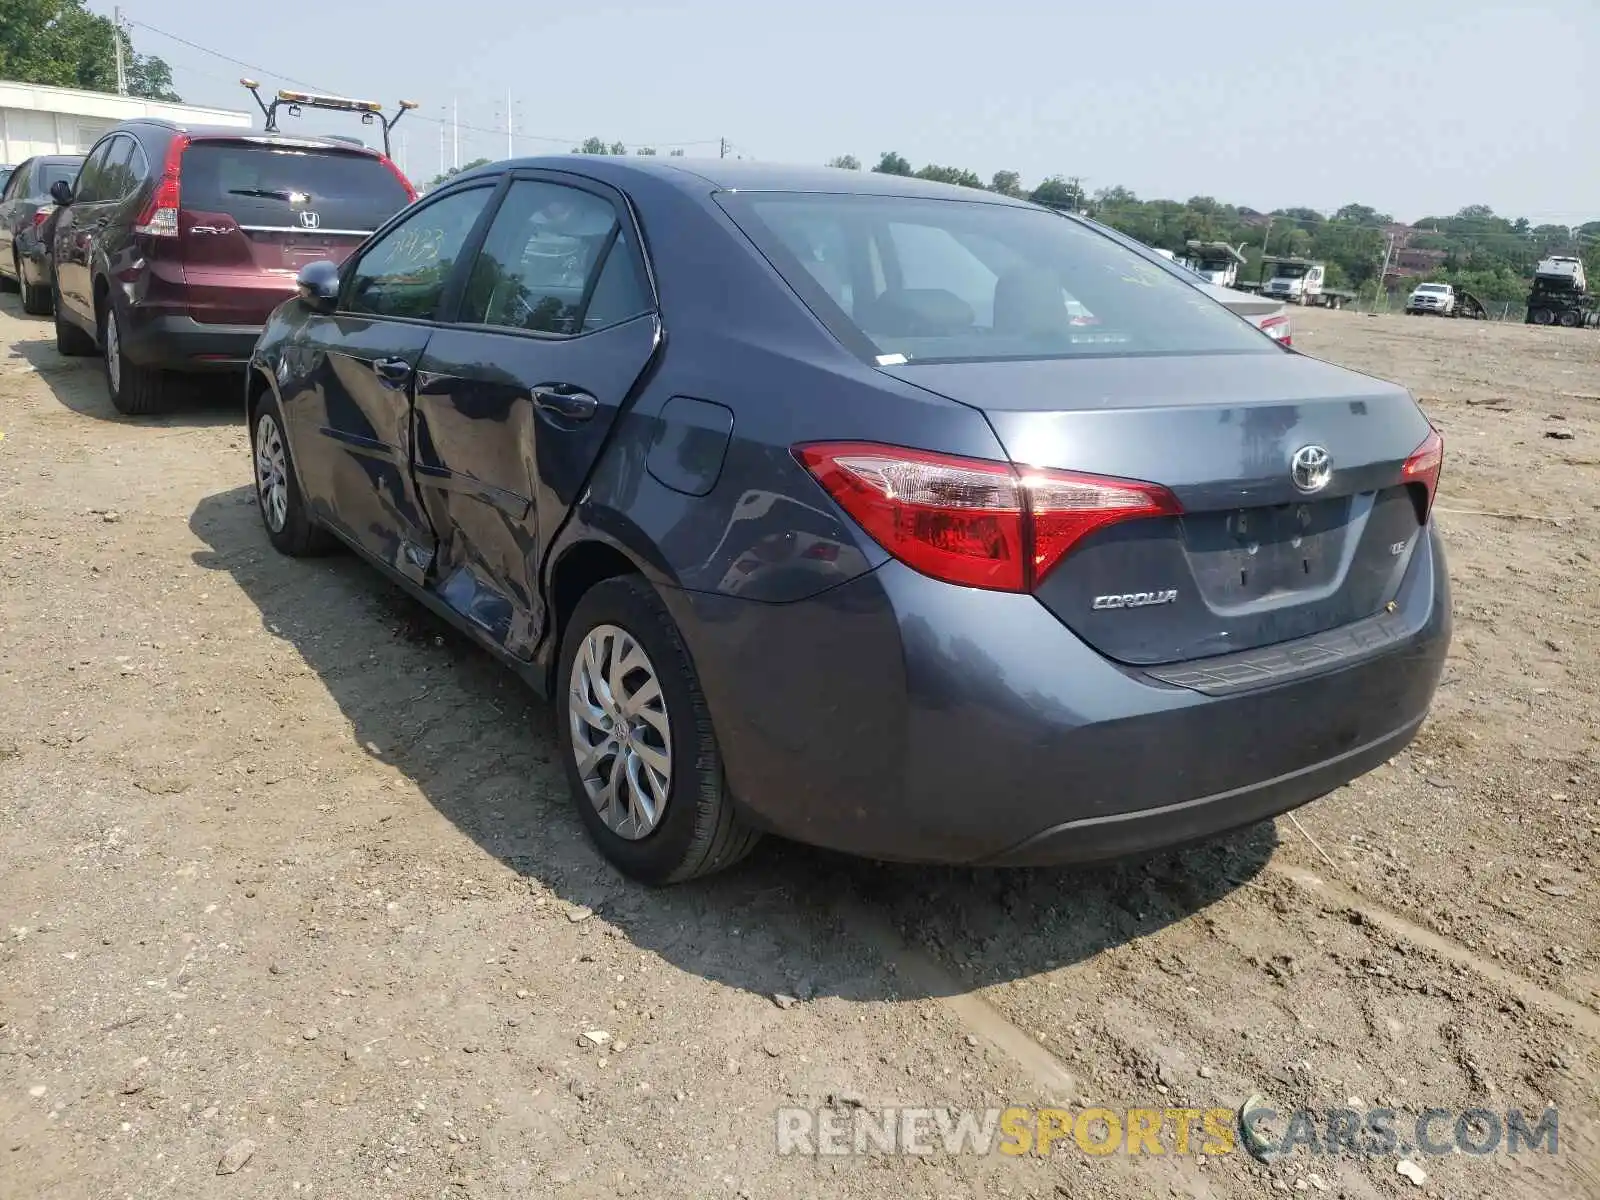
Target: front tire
{"x":71,"y":342}
{"x":636,"y":736}
{"x":283,"y":509}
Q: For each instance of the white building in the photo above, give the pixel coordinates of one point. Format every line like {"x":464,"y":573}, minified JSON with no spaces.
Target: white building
{"x":51,"y":120}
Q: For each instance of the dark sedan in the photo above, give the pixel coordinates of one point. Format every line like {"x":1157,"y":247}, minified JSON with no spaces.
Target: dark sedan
{"x":26,"y":211}
{"x":898,"y":518}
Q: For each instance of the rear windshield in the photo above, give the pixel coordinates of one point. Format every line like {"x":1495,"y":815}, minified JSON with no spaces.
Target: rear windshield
{"x":274,"y":187}
{"x":46,"y":175}
{"x":947,"y":280}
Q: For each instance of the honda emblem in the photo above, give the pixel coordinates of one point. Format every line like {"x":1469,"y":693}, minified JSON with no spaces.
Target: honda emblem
{"x":309,"y":219}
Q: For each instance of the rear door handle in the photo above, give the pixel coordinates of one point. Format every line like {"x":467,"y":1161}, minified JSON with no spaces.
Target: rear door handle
{"x":395,"y":372}
{"x":564,"y":401}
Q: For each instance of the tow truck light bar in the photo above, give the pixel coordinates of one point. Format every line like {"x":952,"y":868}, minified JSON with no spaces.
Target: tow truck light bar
{"x":296,"y":101}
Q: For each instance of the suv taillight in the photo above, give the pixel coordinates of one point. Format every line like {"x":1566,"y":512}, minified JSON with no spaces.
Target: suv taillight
{"x":972,"y":521}
{"x":160,"y":215}
{"x":411,"y":192}
{"x":1423,"y":467}
{"x":42,"y":215}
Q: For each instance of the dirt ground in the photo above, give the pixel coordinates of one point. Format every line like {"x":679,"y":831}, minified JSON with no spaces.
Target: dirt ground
{"x":288,"y":868}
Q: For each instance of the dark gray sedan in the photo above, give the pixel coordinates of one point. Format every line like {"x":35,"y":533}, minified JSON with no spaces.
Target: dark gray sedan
{"x":25,"y":212}
{"x":903,"y":519}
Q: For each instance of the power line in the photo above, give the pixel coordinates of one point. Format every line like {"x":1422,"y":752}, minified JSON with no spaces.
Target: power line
{"x":554,"y":139}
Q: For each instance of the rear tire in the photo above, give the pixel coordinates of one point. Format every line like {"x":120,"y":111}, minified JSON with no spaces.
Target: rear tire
{"x":1568,"y":320}
{"x":1541,"y":316}
{"x":696,"y":829}
{"x":36,"y":301}
{"x":71,"y":341}
{"x":135,"y":391}
{"x":284,"y":512}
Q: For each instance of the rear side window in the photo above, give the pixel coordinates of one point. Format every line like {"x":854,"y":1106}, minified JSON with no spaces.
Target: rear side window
{"x":554,"y":261}
{"x":279,"y":188}
{"x":918,"y":280}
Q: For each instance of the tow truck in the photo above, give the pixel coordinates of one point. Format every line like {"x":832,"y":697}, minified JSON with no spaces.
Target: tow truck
{"x":371,"y":111}
{"x":1301,"y":281}
{"x":1218,"y":262}
{"x":1560,"y":294}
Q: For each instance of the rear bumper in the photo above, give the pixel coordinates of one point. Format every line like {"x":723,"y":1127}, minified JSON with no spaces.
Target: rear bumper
{"x":175,"y":342}
{"x":901,"y":718}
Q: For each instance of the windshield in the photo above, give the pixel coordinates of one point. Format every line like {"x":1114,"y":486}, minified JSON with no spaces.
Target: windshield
{"x":1289,"y":270}
{"x":907,"y":279}
{"x":1431,"y":287}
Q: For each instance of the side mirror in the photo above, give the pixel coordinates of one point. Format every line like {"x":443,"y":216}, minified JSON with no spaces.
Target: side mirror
{"x":318,"y":285}
{"x":61,"y":192}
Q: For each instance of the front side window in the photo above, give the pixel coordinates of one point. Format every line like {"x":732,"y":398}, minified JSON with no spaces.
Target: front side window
{"x":405,"y":272}
{"x":950,"y":280}
{"x":556,"y":260}
{"x":45,"y":176}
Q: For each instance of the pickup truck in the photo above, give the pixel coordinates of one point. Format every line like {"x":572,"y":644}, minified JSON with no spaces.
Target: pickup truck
{"x":1436,"y":298}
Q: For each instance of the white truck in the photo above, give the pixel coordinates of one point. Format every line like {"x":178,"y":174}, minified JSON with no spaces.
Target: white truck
{"x":1301,"y":281}
{"x":1216,"y":262}
{"x":1436,"y":298}
{"x":1560,"y":294}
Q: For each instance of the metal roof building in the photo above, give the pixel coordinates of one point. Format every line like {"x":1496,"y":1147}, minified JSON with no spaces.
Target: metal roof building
{"x":49,"y":120}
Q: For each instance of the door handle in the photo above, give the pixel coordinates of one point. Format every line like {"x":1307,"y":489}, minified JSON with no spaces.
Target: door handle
{"x":395,"y":372}
{"x":564,"y":401}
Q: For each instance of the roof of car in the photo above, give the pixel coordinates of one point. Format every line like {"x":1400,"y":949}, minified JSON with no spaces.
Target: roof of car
{"x":740,"y":174}
{"x":237,"y":133}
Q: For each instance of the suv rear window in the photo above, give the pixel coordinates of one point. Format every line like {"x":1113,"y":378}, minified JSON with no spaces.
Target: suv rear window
{"x":952,"y":280}
{"x":265,"y":185}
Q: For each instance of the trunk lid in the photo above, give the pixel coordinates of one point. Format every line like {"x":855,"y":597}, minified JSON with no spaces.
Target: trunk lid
{"x":253,"y":211}
{"x":1254,"y":559}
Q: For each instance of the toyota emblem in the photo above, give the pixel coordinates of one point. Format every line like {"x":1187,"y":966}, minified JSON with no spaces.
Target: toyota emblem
{"x":1311,"y":468}
{"x":309,"y":219}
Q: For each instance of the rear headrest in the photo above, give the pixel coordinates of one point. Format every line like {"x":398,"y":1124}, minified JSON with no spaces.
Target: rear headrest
{"x":916,"y":312}
{"x":1029,"y":301}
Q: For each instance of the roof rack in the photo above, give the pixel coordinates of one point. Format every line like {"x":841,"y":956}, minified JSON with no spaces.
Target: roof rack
{"x":370,"y":110}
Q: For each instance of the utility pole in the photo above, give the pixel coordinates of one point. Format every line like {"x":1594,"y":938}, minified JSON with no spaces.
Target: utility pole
{"x":441,"y":150}
{"x":1265,"y":236}
{"x":122,"y":67}
{"x":723,"y":146}
{"x":455,"y":125}
{"x":1383,"y":275}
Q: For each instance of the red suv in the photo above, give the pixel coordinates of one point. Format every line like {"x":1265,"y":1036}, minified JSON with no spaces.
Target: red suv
{"x":175,"y":243}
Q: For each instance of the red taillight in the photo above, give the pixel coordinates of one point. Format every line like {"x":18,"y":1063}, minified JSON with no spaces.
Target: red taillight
{"x":1424,"y":466}
{"x":43,"y":215}
{"x":160,"y":215}
{"x":411,"y":192}
{"x":1279,"y":329}
{"x":973,"y":521}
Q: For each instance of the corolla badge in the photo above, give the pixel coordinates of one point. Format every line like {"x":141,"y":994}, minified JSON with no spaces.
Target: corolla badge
{"x":1136,"y":599}
{"x":1311,"y":468}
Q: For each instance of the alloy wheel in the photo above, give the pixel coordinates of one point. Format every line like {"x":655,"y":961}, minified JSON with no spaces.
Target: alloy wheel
{"x":621,"y":735}
{"x":113,"y":352}
{"x":272,"y":473}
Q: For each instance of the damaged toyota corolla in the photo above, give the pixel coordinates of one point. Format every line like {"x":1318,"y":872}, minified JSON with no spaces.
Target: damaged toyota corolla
{"x":903,"y":519}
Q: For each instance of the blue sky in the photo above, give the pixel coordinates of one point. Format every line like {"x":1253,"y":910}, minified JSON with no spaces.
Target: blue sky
{"x":1412,"y":108}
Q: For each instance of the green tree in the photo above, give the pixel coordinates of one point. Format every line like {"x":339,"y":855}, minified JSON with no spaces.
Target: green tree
{"x":645,"y":150}
{"x":845,"y":162}
{"x":890,"y":163}
{"x":956,"y":175}
{"x":592,"y":145}
{"x":1058,"y":192}
{"x":60,"y":43}
{"x":1007,"y":183}
{"x":454,"y":171}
